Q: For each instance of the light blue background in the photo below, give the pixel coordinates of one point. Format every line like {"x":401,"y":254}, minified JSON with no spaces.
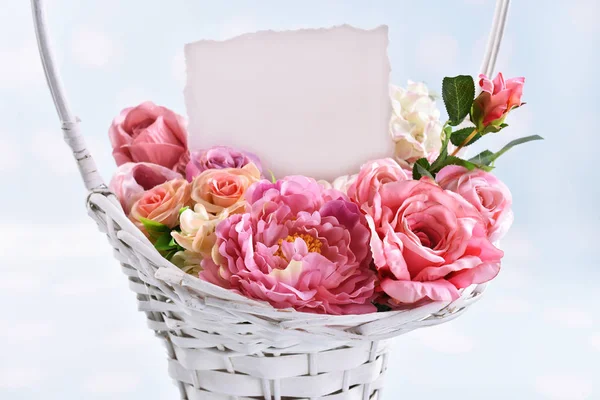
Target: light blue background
{"x":69,"y":325}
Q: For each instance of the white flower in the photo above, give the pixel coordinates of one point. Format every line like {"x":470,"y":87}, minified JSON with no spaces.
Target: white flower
{"x":197,"y":230}
{"x":415,"y":124}
{"x":188,"y":261}
{"x":341,"y":183}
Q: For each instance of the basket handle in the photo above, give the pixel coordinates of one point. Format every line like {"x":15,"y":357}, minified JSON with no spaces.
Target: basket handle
{"x":495,"y":37}
{"x":70,"y":124}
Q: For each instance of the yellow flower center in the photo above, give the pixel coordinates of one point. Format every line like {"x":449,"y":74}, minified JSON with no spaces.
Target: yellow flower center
{"x":313,"y":244}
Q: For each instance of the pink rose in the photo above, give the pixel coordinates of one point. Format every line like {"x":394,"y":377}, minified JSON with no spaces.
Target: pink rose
{"x":218,"y":157}
{"x":487,"y":193}
{"x":496,"y":100}
{"x":162,"y":204}
{"x":150,"y":133}
{"x":132,"y":179}
{"x":223,"y":189}
{"x":427,"y":243}
{"x":299,"y":245}
{"x":372,"y":175}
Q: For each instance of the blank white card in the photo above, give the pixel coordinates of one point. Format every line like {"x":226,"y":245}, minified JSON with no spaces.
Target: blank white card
{"x":312,"y":102}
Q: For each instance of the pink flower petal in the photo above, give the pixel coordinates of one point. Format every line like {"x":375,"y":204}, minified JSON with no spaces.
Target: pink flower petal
{"x":408,"y":292}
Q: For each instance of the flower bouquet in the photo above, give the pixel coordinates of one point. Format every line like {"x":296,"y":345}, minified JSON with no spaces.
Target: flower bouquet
{"x":288,"y":288}
{"x":405,"y":231}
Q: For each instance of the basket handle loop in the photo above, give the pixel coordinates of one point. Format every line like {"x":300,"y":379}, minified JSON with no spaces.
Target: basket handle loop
{"x":69,"y":123}
{"x":495,"y":37}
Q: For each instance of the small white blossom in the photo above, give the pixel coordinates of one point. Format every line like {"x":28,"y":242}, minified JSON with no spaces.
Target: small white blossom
{"x":415,"y":125}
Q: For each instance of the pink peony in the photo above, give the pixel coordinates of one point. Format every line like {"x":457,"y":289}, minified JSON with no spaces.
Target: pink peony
{"x":218,"y":157}
{"x":150,"y":133}
{"x":299,"y":246}
{"x":132,"y":179}
{"x":496,"y":100}
{"x":372,"y":175}
{"x":162,"y":204}
{"x":487,"y":193}
{"x":427,"y":243}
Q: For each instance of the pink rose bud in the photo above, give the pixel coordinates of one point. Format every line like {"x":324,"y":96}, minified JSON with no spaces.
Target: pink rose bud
{"x":496,"y":100}
{"x":220,"y":190}
{"x":150,"y":133}
{"x":132,"y":180}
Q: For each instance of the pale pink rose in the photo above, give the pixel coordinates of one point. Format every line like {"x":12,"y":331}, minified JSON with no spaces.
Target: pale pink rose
{"x":298,"y":245}
{"x":150,"y":133}
{"x":223,"y":189}
{"x":197,"y":231}
{"x":487,"y":193}
{"x":372,"y":175}
{"x":132,"y":179}
{"x":496,"y":100}
{"x":162,"y":204}
{"x":428,"y":243}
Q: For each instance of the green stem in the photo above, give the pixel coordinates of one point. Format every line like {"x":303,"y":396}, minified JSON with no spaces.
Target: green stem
{"x":465,"y":142}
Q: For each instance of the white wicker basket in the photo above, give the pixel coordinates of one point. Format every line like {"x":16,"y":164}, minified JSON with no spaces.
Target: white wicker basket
{"x":223,"y":346}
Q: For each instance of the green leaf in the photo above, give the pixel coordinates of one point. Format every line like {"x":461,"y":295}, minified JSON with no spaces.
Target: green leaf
{"x":452,"y":160}
{"x":447,"y":134}
{"x":459,"y":136}
{"x":458,"y":93}
{"x":482,"y":158}
{"x":470,"y":165}
{"x":273,"y":179}
{"x":169,"y":255}
{"x":163,"y":243}
{"x":516,"y":142}
{"x":487,"y":157}
{"x":421,"y":168}
{"x":182,"y":209}
{"x":153,"y":226}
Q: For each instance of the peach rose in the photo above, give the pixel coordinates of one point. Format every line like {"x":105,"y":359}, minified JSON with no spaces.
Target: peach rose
{"x":162,"y":204}
{"x":222,"y":190}
{"x":132,"y":179}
